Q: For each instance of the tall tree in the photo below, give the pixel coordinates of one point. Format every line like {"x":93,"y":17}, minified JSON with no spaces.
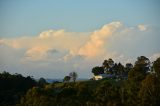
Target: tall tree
{"x":42,"y":82}
{"x":73,"y":75}
{"x":66,"y":79}
{"x":143,"y":63}
{"x":108,"y":65}
{"x":120,"y":69}
{"x":97,"y":70}
{"x":156,"y":67}
{"x":135,"y":76}
{"x":128,"y":67}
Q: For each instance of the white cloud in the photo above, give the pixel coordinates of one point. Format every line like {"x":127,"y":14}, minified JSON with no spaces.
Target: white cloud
{"x":88,"y":44}
{"x":95,"y":46}
{"x":142,"y":27}
{"x":36,"y":47}
{"x":51,"y":33}
{"x":36,"y":53}
{"x":53,"y":49}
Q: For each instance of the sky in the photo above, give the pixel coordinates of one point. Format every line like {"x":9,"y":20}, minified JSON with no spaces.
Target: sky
{"x":50,"y":38}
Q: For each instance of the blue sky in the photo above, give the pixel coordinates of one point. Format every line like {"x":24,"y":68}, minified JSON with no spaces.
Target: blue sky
{"x":28,"y":17}
{"x":38,"y":37}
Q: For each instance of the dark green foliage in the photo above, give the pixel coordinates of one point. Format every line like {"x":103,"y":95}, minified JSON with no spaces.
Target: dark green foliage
{"x":106,"y":93}
{"x":73,"y":94}
{"x":156,"y":67}
{"x":128,"y":67}
{"x":98,"y":70}
{"x":66,"y":79}
{"x":42,"y":82}
{"x":38,"y":97}
{"x":135,"y":76}
{"x":118,"y":69}
{"x":108,"y":63}
{"x":141,"y":88}
{"x":13,"y":87}
{"x":15,"y":82}
{"x":143,"y":63}
{"x":149,"y":93}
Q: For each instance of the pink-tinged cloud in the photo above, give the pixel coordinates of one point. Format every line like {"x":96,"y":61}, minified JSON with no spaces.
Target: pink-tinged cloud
{"x":95,"y":46}
{"x":72,"y":44}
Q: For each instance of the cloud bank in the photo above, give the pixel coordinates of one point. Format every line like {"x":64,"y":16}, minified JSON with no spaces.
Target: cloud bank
{"x":81,"y":50}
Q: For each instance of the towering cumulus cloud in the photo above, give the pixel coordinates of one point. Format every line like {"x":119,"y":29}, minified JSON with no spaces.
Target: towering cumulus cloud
{"x":73,"y":45}
{"x":60,"y":51}
{"x":95,"y":46}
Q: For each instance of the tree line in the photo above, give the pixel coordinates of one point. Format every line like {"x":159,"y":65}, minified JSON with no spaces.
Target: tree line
{"x":14,"y":86}
{"x":119,"y":71}
{"x":142,"y":88}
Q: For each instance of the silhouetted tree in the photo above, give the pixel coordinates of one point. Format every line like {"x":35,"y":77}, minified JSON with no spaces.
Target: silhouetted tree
{"x":135,"y":76}
{"x":156,"y":67}
{"x":97,"y":70}
{"x":66,"y":79}
{"x":108,"y":66}
{"x":13,"y":87}
{"x":143,"y":63}
{"x":120,"y":69}
{"x":73,"y":75}
{"x":128,"y":67}
{"x":42,"y":82}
